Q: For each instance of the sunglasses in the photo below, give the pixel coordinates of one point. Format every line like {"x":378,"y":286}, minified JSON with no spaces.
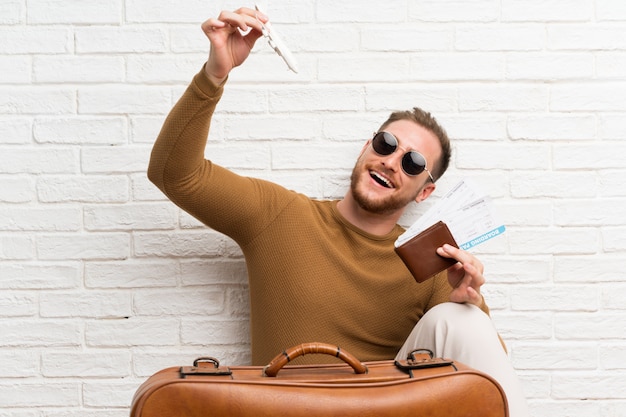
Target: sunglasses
{"x":413,"y":162}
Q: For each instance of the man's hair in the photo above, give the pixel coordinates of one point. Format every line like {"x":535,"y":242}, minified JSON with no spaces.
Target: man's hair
{"x":427,"y":121}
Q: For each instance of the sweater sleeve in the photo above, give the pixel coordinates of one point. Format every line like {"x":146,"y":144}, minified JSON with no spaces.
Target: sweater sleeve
{"x":237,"y":206}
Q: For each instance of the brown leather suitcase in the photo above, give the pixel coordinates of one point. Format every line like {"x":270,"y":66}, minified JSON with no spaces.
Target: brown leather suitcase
{"x":419,"y":386}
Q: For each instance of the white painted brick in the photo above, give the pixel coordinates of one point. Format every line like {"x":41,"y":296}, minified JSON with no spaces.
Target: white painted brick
{"x":489,"y":127}
{"x":588,"y":269}
{"x":131,"y":274}
{"x":130,"y":217}
{"x":97,"y":364}
{"x":206,"y":332}
{"x":523,"y":326}
{"x":537,"y":10}
{"x":40,"y":333}
{"x":583,"y":326}
{"x":186,"y":39}
{"x":562,"y":241}
{"x":12,"y":12}
{"x":86,"y":189}
{"x":264,"y":127}
{"x":16,"y":189}
{"x":458,"y":66}
{"x":83,"y":246}
{"x":398,"y":38}
{"x":611,"y":126}
{"x":83,"y":130}
{"x":526,"y":213}
{"x":85,"y":304}
{"x":145,"y":129}
{"x":123,"y":99}
{"x":346,"y":12}
{"x":74,"y":11}
{"x":16,"y":130}
{"x":119,"y":159}
{"x":103,"y":394}
{"x":501,"y":38}
{"x":610,"y":10}
{"x":33,"y":394}
{"x":316,"y":157}
{"x":605,"y":212}
{"x":453,"y":11}
{"x":583,"y":156}
{"x":558,"y":357}
{"x":613,"y":356}
{"x":494,"y":97}
{"x":314,"y":99}
{"x":78,"y":69}
{"x":553,"y":184}
{"x":40,"y":219}
{"x":561,"y":298}
{"x":490,"y":156}
{"x":146,"y":11}
{"x":125,"y":39}
{"x":15,"y":304}
{"x":610,"y":184}
{"x":17,"y":247}
{"x":364,"y":68}
{"x":190,"y":302}
{"x":39,"y":100}
{"x":19,"y":363}
{"x":588,"y":385}
{"x":552,"y":127}
{"x":178,"y":245}
{"x":574,"y":408}
{"x":585,"y":37}
{"x":132,"y":332}
{"x":42,"y":40}
{"x":15,"y":69}
{"x":606,"y":97}
{"x":39,"y":276}
{"x":148,"y":69}
{"x":38,"y":160}
{"x":432,"y":98}
{"x":614,"y":239}
{"x":542,"y":66}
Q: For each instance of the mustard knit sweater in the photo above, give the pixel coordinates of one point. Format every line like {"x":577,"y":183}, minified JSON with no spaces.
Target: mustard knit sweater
{"x":313,"y":277}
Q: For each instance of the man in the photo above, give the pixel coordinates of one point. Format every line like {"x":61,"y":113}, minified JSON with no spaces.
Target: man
{"x":326,"y":271}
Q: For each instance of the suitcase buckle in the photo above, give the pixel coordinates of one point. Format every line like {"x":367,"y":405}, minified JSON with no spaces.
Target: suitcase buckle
{"x":201,"y":366}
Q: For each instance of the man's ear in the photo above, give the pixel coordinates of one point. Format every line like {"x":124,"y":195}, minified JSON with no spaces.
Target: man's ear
{"x":425,"y":192}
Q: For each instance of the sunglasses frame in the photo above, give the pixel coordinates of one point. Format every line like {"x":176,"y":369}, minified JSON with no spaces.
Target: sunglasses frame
{"x":406,"y":158}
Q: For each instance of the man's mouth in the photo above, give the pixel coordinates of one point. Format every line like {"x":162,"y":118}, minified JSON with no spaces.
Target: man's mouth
{"x":381,"y":180}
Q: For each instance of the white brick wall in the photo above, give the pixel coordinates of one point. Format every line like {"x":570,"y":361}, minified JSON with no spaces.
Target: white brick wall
{"x":103,"y":281}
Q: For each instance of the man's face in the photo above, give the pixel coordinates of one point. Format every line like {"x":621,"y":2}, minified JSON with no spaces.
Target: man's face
{"x":378,"y":183}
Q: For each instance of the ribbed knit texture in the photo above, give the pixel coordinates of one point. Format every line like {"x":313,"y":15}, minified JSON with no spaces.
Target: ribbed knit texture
{"x":313,"y":276}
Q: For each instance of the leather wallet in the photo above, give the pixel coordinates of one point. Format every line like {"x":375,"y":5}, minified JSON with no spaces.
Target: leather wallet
{"x":420,"y":253}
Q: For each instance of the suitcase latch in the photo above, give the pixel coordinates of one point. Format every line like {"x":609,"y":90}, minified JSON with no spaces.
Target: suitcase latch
{"x":204,"y":366}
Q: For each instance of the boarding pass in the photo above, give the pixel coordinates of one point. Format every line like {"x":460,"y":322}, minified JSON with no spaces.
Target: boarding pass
{"x":468,"y":213}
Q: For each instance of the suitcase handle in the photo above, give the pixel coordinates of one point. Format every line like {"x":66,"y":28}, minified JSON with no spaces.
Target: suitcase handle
{"x":281,"y":360}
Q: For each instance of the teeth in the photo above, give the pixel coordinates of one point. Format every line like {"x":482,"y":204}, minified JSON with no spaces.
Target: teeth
{"x":381,"y":180}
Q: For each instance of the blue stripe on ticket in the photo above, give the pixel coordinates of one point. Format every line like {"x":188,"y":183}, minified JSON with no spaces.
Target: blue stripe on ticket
{"x":483,"y":238}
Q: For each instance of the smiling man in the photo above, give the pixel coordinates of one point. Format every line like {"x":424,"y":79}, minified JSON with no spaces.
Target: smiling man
{"x":326,"y":271}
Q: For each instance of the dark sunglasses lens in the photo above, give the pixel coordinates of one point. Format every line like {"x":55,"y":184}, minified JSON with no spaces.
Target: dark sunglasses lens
{"x":384,"y":143}
{"x":413,"y":163}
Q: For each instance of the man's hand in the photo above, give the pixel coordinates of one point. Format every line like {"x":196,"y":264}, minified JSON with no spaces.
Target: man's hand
{"x":465,"y":277}
{"x":232,"y":36}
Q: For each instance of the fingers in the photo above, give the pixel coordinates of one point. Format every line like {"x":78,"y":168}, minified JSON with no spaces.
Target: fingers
{"x":464,"y":257}
{"x":242,"y":19}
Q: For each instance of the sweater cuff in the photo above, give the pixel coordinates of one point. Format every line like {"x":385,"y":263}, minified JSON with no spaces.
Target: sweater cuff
{"x":205,"y":87}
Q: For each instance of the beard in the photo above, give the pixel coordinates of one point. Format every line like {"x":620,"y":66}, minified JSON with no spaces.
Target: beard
{"x":382,"y":206}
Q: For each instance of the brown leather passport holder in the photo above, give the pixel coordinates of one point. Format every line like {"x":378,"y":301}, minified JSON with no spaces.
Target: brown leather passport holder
{"x":420,"y":253}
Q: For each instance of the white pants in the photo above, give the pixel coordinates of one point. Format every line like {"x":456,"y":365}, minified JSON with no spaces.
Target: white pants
{"x":465,"y":333}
